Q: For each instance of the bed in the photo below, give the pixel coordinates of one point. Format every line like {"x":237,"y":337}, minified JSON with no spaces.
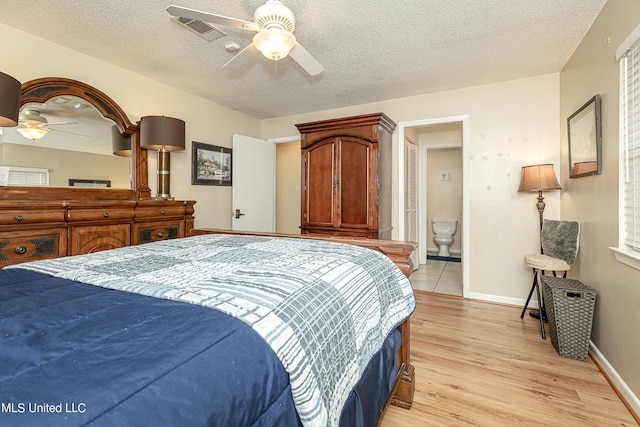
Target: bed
{"x":214,"y":329}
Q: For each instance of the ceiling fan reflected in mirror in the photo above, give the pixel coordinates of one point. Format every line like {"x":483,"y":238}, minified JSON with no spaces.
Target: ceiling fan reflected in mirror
{"x":273,"y":23}
{"x":36,"y":126}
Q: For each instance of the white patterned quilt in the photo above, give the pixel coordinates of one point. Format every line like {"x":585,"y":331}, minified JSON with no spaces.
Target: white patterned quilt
{"x":324,"y":307}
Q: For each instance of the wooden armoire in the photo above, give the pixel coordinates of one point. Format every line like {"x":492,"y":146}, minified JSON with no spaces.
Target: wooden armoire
{"x":346,"y":176}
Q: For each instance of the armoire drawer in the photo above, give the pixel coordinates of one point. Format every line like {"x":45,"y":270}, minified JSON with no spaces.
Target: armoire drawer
{"x":24,"y":246}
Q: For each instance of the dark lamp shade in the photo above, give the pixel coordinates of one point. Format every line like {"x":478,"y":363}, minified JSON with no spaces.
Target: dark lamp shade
{"x":538,"y":178}
{"x":158,"y":132}
{"x":121,"y":143}
{"x":10,"y":89}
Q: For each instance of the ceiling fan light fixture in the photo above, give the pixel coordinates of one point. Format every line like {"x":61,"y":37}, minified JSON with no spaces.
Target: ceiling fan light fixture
{"x":274,"y":43}
{"x":32,"y":132}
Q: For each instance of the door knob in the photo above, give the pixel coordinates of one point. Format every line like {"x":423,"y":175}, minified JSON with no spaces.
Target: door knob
{"x":238,"y":214}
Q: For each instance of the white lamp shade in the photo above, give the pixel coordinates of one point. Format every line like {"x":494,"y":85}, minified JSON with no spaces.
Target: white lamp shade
{"x":274,"y":43}
{"x":32,"y":132}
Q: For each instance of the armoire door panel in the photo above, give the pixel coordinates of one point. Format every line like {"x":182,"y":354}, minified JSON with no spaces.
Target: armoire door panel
{"x":320,"y":185}
{"x":354,"y":183}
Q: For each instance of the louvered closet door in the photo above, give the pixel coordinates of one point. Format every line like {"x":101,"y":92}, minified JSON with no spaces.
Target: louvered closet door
{"x":319,"y":196}
{"x":410,"y":192}
{"x":355,"y":183}
{"x":411,"y":197}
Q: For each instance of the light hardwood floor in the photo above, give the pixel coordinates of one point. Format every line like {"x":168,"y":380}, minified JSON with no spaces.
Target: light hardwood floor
{"x":479,"y":364}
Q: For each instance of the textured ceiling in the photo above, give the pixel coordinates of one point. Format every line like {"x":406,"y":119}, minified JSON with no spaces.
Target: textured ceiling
{"x":371,"y":51}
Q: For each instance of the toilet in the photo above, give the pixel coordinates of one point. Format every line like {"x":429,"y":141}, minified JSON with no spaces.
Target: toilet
{"x":444,"y":230}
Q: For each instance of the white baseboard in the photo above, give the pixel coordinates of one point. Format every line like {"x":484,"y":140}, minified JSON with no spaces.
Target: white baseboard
{"x":630,"y":397}
{"x":503,"y":300}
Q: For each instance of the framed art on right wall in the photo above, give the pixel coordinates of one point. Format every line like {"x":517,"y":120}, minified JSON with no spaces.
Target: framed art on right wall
{"x":585,"y":140}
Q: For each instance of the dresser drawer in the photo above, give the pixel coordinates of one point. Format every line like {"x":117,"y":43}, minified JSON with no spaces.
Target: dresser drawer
{"x":159,"y":211}
{"x":30,"y":216}
{"x":23,"y":246}
{"x":155,"y":231}
{"x":100,"y":214}
{"x":94,"y":238}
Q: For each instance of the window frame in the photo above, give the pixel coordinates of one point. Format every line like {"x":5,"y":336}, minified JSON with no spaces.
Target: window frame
{"x":626,"y":253}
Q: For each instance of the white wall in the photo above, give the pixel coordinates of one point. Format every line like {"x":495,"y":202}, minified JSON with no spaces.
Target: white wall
{"x":26,"y":57}
{"x":512,"y":124}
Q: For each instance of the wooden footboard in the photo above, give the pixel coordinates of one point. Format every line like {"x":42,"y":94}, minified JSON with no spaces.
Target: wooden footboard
{"x":400,"y":254}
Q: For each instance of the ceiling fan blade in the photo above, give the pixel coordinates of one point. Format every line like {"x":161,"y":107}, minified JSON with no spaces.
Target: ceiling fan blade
{"x":306,"y":60}
{"x":211,"y":18}
{"x":66,"y":131}
{"x":61,"y":123}
{"x":241,"y":58}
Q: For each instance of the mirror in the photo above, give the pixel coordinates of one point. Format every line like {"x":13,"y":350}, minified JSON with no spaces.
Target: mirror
{"x":72,"y":142}
{"x":585,"y":140}
{"x":79,"y":122}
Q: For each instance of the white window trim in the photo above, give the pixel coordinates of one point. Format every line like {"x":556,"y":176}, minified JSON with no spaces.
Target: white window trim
{"x":623,"y":253}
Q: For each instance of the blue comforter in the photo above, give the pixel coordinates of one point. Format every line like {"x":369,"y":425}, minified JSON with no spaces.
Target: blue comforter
{"x":75,"y":354}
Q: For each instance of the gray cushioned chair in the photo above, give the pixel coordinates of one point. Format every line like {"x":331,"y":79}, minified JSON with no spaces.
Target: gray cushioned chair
{"x":560,"y":242}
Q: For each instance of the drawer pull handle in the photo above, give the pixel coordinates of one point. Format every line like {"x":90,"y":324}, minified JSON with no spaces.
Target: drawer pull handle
{"x":163,"y":212}
{"x":106,"y":215}
{"x":19,"y":218}
{"x":160,"y":233}
{"x":20,"y":250}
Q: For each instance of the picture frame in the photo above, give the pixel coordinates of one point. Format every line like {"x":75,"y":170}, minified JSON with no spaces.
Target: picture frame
{"x":585,"y":139}
{"x":211,"y":164}
{"x":90,"y":183}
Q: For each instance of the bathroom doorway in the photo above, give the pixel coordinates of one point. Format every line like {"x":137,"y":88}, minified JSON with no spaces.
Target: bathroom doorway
{"x":433,"y":178}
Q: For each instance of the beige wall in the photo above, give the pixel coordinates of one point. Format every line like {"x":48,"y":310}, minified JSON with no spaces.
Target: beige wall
{"x":140,"y":96}
{"x":593,"y":200}
{"x":444,"y":197}
{"x":288,"y":187}
{"x":511,"y":124}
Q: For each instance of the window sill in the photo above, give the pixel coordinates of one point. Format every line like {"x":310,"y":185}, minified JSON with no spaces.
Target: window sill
{"x":627,"y":256}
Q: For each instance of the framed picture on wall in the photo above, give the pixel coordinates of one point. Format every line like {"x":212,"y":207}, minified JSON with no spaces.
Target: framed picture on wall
{"x":211,"y":164}
{"x":585,"y":140}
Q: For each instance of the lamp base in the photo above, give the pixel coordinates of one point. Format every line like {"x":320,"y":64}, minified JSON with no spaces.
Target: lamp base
{"x":163,"y":197}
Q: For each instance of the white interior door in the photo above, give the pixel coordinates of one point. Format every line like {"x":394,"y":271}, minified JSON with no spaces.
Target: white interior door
{"x":253,"y":191}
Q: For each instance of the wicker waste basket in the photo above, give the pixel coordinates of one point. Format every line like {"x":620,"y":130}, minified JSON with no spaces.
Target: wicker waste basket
{"x":569,"y":306}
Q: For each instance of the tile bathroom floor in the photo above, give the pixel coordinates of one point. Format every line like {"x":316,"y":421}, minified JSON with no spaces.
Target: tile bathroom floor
{"x":443,"y":277}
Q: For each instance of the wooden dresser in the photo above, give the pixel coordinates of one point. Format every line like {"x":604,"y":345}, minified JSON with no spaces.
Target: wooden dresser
{"x":33,"y":230}
{"x":50,"y":222}
{"x":346,"y":176}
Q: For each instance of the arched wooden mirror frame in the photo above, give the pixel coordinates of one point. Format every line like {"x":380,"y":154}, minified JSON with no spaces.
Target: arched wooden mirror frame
{"x":43,"y":89}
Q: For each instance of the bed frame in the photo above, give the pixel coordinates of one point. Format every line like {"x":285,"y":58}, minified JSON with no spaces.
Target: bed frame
{"x":400,"y":254}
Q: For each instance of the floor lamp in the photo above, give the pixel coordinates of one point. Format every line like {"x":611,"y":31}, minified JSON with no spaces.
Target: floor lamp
{"x":538,"y":178}
{"x":163,"y":134}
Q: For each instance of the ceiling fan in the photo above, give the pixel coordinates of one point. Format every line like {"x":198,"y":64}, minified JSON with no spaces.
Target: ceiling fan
{"x":273,"y":23}
{"x":36,"y":126}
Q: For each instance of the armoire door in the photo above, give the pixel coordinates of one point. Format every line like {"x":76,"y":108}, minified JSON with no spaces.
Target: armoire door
{"x":355,"y":183}
{"x":319,"y":181}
